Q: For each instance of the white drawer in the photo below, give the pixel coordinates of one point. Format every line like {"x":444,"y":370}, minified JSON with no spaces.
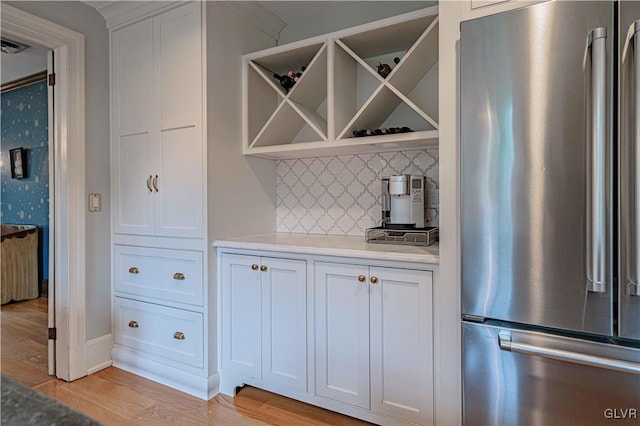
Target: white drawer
{"x":159,"y":330}
{"x":171,"y":275}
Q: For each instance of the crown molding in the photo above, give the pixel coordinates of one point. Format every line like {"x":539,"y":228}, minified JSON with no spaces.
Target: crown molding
{"x":260,"y":16}
{"x":120,"y":13}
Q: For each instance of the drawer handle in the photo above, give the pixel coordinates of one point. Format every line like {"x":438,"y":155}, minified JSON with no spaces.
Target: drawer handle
{"x":178,"y":335}
{"x":374,"y":280}
{"x":134,"y":270}
{"x":133,"y":324}
{"x":362,"y":278}
{"x":254,"y":267}
{"x":178,"y":276}
{"x":263,"y":268}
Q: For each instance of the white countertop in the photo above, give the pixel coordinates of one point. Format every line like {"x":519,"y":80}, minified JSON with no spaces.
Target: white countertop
{"x":333,"y":245}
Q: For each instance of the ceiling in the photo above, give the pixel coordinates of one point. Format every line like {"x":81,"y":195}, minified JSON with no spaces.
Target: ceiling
{"x":29,"y":61}
{"x":33,"y":59}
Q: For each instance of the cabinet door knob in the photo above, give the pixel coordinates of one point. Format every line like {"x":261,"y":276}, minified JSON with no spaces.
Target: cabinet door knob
{"x":362,"y":278}
{"x":254,"y":267}
{"x":149,"y":184}
{"x":263,"y":268}
{"x":178,"y":276}
{"x":133,"y":324}
{"x":134,"y":270}
{"x":155,"y":183}
{"x":374,"y":280}
{"x":178,"y":335}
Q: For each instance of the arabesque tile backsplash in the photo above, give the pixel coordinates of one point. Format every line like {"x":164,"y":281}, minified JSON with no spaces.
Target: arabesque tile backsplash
{"x":340,"y":195}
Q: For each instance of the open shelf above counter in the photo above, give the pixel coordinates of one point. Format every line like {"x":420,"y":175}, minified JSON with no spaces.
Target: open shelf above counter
{"x":337,"y":91}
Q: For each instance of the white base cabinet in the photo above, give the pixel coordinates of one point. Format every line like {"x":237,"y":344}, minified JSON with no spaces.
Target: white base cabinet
{"x":263,"y":310}
{"x":373,"y":339}
{"x":351,"y":335}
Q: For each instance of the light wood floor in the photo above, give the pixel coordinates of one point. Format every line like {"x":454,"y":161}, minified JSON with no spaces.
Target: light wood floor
{"x":116,"y":397}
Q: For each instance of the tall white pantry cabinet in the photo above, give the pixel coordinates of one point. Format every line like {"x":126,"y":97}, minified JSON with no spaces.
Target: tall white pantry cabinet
{"x":164,"y":177}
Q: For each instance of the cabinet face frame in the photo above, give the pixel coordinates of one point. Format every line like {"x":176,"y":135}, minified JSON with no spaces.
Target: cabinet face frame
{"x":391,"y":101}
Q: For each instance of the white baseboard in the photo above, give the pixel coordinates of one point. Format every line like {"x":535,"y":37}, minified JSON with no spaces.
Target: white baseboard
{"x":98,"y":353}
{"x":199,"y":386}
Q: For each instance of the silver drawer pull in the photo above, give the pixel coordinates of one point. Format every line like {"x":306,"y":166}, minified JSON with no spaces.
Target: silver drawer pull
{"x":178,"y":276}
{"x":134,"y":270}
{"x":178,"y":335}
{"x":133,"y":324}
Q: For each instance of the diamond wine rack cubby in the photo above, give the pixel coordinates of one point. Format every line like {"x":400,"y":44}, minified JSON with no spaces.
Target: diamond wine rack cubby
{"x":337,"y":93}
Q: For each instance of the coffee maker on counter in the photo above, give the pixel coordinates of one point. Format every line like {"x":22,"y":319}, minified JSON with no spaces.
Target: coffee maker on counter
{"x":404,"y":205}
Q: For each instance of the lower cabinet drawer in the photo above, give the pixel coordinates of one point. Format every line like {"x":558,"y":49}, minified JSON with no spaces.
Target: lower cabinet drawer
{"x":167,"y":275}
{"x":169,"y":333}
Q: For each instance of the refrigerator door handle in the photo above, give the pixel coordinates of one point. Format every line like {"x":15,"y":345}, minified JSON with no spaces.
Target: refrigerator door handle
{"x":633,"y":287}
{"x":598,"y":228}
{"x":506,"y":344}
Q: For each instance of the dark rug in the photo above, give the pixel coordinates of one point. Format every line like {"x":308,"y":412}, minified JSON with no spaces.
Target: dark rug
{"x":22,"y":406}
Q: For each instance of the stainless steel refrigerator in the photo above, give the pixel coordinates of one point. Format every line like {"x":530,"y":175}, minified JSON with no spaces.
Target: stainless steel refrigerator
{"x":550,"y":175}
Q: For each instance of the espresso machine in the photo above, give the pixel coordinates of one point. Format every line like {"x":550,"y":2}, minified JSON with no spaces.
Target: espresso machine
{"x":404,"y":212}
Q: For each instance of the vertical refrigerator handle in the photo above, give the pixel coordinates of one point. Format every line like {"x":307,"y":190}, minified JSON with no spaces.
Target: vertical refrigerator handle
{"x":598,"y":207}
{"x":634,"y":286}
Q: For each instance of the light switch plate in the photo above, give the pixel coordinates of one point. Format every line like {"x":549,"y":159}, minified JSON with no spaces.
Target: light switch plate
{"x":95,"y":202}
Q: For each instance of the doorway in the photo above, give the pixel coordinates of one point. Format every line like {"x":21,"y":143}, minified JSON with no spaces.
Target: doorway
{"x":68,"y":151}
{"x":26,"y":166}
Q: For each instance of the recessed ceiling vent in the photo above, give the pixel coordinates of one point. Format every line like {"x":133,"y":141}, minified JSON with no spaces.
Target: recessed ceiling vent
{"x":11,"y":47}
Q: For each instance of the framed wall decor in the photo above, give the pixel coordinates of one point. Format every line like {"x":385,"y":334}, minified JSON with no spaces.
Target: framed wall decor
{"x":18,"y":163}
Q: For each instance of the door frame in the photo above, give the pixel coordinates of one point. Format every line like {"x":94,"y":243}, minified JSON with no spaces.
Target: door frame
{"x":68,"y":149}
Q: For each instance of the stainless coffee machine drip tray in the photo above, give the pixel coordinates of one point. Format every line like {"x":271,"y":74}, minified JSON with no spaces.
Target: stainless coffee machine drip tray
{"x":412,"y":237}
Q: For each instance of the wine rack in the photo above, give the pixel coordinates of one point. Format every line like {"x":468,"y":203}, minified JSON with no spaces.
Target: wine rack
{"x":341,"y":90}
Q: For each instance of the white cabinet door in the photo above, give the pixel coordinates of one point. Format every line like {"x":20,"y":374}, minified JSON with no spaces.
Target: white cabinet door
{"x":177,"y":39}
{"x":240,"y":315}
{"x":401,"y":344}
{"x":263,"y":311}
{"x":134,"y":149}
{"x":342,"y":333}
{"x":158,"y":125}
{"x":284,"y":325}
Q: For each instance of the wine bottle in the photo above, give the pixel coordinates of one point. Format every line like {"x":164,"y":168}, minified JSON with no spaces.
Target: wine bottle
{"x":383,"y":69}
{"x":285,"y":81}
{"x":359,"y":133}
{"x":396,"y":60}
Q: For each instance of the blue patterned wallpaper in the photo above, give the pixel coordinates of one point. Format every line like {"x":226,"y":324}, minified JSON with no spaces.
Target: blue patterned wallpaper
{"x":24,"y":114}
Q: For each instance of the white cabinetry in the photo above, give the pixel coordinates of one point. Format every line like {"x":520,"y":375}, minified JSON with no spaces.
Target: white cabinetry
{"x":158,"y":167}
{"x":374,"y":339}
{"x":348,"y":334}
{"x":340,"y":91}
{"x":158,"y":172}
{"x":263,"y":311}
{"x":472,"y":9}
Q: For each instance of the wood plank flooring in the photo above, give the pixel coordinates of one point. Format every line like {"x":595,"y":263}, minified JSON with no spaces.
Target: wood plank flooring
{"x":116,"y":397}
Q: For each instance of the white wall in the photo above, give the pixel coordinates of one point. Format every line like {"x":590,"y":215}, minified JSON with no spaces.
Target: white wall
{"x":86,"y":20}
{"x":339,"y":15}
{"x":241,"y":190}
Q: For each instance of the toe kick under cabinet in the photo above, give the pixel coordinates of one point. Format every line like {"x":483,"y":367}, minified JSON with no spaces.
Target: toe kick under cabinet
{"x":348,"y":334}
